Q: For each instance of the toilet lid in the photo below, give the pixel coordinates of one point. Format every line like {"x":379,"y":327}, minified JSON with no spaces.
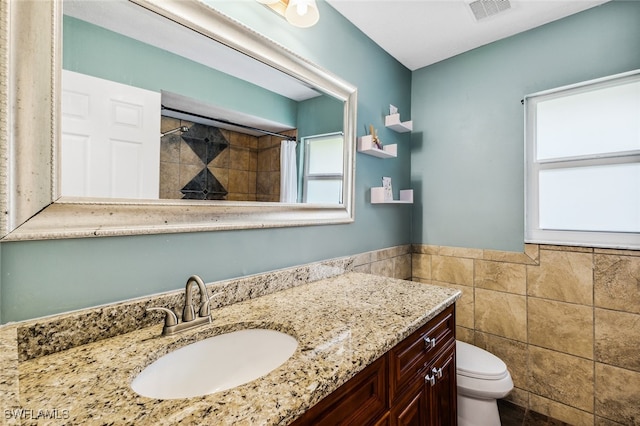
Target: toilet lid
{"x":471,"y":361}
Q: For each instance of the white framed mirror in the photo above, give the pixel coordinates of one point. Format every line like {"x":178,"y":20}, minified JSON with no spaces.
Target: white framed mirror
{"x":31,"y":138}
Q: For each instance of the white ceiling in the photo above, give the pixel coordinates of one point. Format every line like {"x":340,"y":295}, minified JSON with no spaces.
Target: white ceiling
{"x":416,"y":32}
{"x":422,"y":32}
{"x":131,"y":20}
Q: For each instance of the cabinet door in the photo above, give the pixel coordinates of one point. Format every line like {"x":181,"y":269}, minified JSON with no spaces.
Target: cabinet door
{"x":361,"y":401}
{"x":442,"y":390}
{"x":411,"y":411}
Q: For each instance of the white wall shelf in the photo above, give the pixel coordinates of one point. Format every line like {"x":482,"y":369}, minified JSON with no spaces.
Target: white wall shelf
{"x":393,"y":122}
{"x":377,"y":196}
{"x":366,"y":146}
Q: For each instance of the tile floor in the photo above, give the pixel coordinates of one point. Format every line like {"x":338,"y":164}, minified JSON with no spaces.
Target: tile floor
{"x":513,"y":415}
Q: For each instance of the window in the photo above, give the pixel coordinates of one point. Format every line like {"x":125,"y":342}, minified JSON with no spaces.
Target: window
{"x":583,"y":164}
{"x":323,"y":168}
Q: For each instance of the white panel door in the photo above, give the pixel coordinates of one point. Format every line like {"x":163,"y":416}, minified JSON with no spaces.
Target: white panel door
{"x":110,"y":139}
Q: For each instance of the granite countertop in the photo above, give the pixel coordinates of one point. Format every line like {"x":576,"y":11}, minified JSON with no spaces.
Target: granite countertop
{"x":342,"y":324}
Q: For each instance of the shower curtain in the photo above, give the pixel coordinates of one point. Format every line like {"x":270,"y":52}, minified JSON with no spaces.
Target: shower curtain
{"x":288,"y":172}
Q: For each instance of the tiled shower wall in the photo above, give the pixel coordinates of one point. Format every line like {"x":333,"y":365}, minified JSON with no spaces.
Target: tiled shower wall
{"x":247,"y":170}
{"x":268,"y":170}
{"x":565,"y":320}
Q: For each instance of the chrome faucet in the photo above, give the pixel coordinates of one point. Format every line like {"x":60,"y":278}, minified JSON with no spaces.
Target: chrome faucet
{"x":172,"y":324}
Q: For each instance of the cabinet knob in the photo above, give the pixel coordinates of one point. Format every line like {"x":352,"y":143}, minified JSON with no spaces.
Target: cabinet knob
{"x":429,"y":343}
{"x":437,"y":372}
{"x":430,"y":379}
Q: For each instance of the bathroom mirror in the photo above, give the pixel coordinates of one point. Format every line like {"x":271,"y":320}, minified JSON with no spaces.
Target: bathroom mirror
{"x":34,"y":204}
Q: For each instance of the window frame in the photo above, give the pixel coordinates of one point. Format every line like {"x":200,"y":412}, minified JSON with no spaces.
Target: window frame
{"x":319,"y":176}
{"x":533,"y":232}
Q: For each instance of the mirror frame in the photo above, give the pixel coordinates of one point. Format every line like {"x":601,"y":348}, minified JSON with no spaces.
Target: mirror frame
{"x":30,"y":134}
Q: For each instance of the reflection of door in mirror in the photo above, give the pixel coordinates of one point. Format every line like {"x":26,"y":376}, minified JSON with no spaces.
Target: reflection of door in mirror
{"x":109,"y":139}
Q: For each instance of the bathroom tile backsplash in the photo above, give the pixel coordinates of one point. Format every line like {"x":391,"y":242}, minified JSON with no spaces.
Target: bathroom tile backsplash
{"x":562,"y":275}
{"x":35,"y":338}
{"x":616,"y":281}
{"x":47,"y":335}
{"x":501,"y":276}
{"x":564,"y":319}
{"x":614,"y":387}
{"x":564,"y":327}
{"x":562,"y":378}
{"x":501,"y":313}
{"x":617,"y":338}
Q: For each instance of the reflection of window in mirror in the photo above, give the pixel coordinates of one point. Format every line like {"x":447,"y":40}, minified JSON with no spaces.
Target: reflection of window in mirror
{"x":323,"y":168}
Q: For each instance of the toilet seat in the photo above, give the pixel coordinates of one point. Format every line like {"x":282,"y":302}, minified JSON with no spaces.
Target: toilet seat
{"x":477,"y":363}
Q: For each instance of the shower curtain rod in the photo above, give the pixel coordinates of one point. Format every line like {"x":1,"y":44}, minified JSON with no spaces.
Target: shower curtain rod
{"x":220,"y":120}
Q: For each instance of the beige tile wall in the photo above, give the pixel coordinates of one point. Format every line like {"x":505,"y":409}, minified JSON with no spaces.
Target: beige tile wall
{"x":393,"y":262}
{"x":566,"y":321}
{"x":268,"y":177}
{"x":236,"y":167}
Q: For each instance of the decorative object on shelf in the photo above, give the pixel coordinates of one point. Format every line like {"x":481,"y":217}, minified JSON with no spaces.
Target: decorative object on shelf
{"x":393,"y":122}
{"x":367,"y":146}
{"x":378,"y":196}
{"x":388,"y":190}
{"x":374,"y":137}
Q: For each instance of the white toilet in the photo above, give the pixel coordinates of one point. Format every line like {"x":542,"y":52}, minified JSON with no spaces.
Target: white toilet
{"x":482,"y":378}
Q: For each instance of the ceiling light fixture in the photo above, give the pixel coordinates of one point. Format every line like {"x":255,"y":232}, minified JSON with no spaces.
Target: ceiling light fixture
{"x":299,"y":13}
{"x":302,"y":13}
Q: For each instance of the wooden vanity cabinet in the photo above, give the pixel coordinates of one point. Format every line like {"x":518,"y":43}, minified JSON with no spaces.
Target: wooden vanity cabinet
{"x":361,"y":401}
{"x":412,"y":384}
{"x":442,"y":395}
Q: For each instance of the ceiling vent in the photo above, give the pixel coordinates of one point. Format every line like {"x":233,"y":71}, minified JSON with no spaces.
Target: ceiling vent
{"x":484,"y":8}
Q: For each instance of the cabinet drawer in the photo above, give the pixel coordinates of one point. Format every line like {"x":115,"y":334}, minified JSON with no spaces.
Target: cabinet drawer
{"x":360,"y":401}
{"x":409,"y":358}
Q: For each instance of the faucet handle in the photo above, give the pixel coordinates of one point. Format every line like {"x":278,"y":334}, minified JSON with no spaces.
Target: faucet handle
{"x":205,"y":307}
{"x":170,"y":318}
{"x":188,"y":313}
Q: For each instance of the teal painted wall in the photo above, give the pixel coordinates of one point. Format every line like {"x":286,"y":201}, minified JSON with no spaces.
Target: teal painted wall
{"x":101,"y":53}
{"x":320,"y":115}
{"x":467,"y":162}
{"x":46,"y":277}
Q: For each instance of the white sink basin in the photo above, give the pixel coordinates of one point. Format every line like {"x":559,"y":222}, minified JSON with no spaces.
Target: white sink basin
{"x":215,"y":364}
